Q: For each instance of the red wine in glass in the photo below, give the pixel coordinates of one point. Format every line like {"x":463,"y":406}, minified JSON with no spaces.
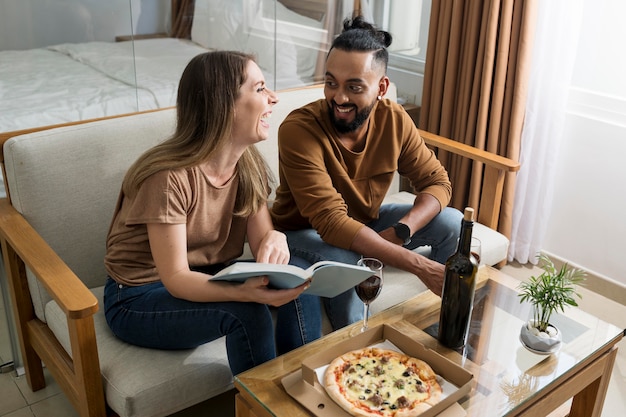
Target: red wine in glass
{"x":369,"y":289}
{"x":477,"y":256}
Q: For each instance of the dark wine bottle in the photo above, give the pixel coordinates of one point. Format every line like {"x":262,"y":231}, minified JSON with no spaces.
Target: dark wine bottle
{"x":459,"y":283}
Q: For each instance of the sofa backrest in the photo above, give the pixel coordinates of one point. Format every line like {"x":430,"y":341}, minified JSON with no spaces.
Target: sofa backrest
{"x":65,"y":181}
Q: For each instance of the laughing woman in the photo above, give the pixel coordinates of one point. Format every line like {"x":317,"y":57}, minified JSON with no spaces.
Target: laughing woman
{"x":184,"y":212}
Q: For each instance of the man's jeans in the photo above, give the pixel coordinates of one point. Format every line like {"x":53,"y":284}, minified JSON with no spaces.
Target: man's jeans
{"x":441,"y":234}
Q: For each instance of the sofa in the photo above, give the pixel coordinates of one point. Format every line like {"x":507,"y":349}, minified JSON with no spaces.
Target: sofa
{"x":62,"y":185}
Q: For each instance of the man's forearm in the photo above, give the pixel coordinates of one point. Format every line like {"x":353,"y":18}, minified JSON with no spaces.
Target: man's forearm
{"x":425,"y":208}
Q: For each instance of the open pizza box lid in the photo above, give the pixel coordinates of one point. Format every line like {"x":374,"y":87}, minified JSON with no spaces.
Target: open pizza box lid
{"x":305,"y":386}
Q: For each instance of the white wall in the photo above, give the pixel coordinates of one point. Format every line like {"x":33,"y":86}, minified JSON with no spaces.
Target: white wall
{"x":587,"y":226}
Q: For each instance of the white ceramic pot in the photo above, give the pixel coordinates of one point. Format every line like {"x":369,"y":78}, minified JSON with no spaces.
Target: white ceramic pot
{"x":540,"y":342}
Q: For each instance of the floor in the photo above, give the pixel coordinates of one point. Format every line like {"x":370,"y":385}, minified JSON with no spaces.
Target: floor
{"x":19,"y":401}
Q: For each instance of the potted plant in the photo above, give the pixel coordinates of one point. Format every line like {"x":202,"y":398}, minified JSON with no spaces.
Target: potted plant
{"x":551,"y":291}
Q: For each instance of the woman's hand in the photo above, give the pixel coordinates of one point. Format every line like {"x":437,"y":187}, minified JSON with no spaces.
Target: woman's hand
{"x":273,"y":248}
{"x":268,"y":245}
{"x":257,"y":290}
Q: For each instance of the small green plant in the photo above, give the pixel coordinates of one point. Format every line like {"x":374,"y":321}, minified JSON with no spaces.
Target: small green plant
{"x":551,"y":291}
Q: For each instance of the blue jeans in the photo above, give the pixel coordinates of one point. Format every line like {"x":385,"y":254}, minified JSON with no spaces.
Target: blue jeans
{"x":440,"y":234}
{"x":299,"y":321}
{"x":149,"y":316}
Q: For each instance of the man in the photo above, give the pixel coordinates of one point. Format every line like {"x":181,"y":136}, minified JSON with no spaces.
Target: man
{"x":338,"y":157}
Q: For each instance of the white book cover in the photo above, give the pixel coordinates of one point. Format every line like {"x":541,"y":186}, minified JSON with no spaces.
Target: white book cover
{"x":328,"y":278}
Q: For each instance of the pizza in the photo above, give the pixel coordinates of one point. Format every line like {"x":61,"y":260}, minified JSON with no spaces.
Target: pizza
{"x":374,"y":382}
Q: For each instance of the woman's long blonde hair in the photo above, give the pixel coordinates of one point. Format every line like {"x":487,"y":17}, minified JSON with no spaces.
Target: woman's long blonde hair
{"x":205,"y":104}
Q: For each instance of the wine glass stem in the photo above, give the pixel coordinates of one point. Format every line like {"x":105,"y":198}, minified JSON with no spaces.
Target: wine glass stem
{"x":366,"y":310}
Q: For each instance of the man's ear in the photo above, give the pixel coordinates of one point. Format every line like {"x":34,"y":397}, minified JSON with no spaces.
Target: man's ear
{"x":383,"y":86}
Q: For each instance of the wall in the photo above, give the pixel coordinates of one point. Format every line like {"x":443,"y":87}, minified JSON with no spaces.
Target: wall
{"x":77,"y":21}
{"x":586,"y":225}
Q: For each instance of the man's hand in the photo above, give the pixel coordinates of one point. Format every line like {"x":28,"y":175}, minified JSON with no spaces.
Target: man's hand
{"x":432,"y":274}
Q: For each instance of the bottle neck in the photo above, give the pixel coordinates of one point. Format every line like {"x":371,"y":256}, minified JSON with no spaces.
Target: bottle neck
{"x":465,"y":239}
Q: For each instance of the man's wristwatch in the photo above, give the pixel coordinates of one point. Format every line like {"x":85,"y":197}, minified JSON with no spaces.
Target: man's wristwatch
{"x":403,"y":232}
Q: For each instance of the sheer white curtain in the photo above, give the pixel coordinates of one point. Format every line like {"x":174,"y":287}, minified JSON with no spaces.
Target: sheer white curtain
{"x":554,"y":52}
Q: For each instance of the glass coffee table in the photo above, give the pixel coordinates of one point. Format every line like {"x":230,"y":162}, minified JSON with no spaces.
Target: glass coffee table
{"x":508,"y":379}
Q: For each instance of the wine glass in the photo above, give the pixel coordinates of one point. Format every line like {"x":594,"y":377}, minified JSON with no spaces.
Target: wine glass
{"x":476,"y":249}
{"x":369,"y":289}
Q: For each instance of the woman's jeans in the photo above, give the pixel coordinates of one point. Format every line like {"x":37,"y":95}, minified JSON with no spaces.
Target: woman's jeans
{"x":440,"y":234}
{"x":149,"y":316}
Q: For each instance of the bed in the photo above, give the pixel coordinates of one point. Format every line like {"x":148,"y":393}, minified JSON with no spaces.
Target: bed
{"x":69,"y":82}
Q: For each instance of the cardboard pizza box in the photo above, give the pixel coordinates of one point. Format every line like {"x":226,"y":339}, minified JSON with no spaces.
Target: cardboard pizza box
{"x":305,"y":385}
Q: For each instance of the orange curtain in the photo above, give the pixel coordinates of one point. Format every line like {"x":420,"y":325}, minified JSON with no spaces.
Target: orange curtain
{"x":475,"y":81}
{"x":182,"y":17}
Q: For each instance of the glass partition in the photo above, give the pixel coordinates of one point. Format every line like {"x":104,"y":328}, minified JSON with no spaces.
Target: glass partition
{"x":68,"y":60}
{"x":59,"y":63}
{"x":62,"y":61}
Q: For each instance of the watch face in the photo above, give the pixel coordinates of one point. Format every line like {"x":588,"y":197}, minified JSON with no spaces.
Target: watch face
{"x":403,"y":232}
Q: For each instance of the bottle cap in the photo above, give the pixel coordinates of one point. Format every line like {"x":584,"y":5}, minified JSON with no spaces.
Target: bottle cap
{"x":468,"y":214}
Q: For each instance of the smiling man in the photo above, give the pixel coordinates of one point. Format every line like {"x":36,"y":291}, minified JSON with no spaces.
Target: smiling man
{"x":338,"y":157}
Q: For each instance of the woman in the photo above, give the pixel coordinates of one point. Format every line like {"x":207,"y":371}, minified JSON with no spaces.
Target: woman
{"x":184,"y":211}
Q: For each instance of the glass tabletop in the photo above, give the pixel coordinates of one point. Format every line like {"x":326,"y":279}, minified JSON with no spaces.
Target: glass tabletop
{"x":507,"y":377}
{"x":506,"y":373}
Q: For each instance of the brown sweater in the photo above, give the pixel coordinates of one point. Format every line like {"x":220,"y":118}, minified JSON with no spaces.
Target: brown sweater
{"x":336,"y":191}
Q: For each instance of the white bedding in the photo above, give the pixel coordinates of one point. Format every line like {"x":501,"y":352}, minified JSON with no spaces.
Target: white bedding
{"x":158,"y":63}
{"x":70,"y":82}
{"x":40,"y":87}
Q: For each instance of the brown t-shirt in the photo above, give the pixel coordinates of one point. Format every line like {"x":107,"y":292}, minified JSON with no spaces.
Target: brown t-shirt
{"x":336,"y":191}
{"x":183,"y":196}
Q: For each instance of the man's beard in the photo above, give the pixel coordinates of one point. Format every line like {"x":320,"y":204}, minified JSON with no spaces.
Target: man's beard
{"x":360,"y":118}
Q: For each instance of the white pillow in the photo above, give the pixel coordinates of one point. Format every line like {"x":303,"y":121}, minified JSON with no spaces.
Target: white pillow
{"x":218,"y":24}
{"x":306,"y":33}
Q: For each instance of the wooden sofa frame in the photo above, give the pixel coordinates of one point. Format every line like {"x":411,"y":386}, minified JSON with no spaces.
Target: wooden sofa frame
{"x":79,"y":376}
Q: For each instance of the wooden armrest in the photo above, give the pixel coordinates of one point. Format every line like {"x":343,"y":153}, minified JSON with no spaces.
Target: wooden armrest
{"x":458,"y":148}
{"x":79,"y":375}
{"x":64,"y":286}
{"x":496,"y":167}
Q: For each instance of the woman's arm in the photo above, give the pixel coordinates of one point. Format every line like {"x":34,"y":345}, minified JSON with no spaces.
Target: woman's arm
{"x":267,"y":245}
{"x":168,"y":244}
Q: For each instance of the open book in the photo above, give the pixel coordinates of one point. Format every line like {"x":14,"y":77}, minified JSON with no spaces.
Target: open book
{"x":328,"y":278}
